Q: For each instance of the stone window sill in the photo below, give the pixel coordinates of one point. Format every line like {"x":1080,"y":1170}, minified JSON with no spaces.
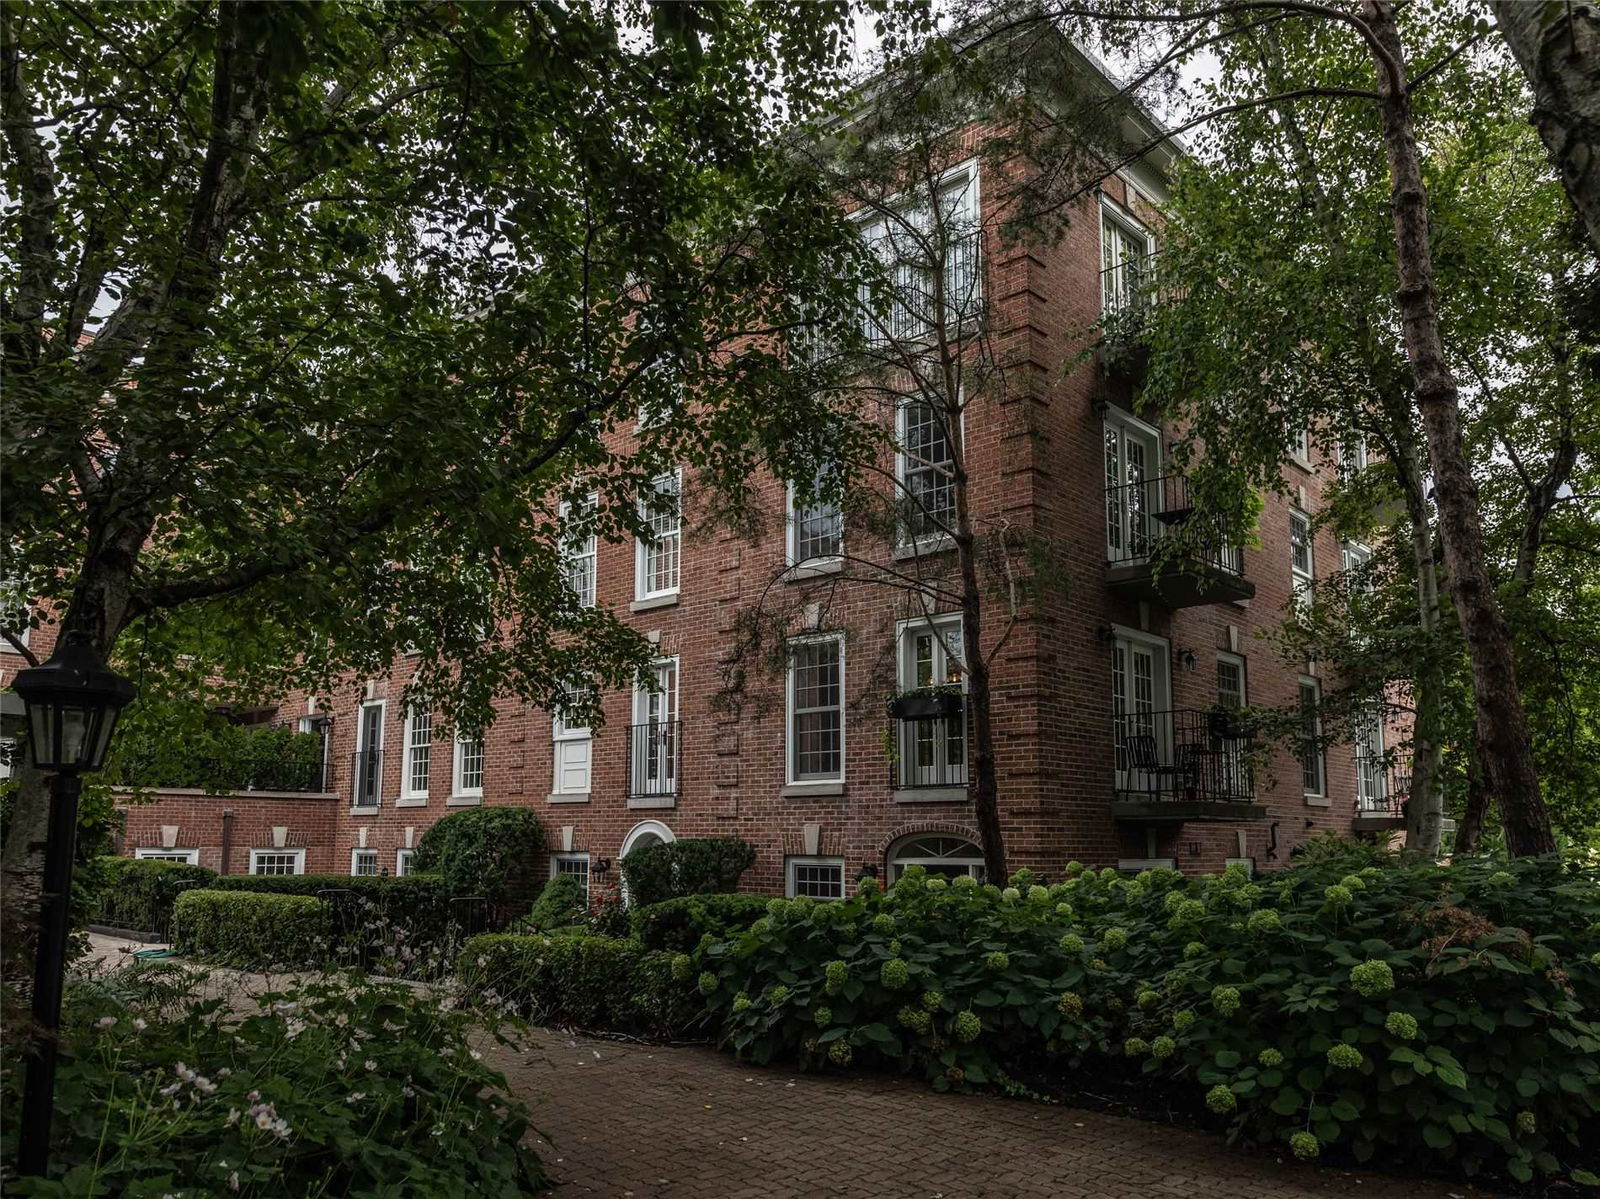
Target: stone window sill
{"x":931,"y":795}
{"x":652,"y":801}
{"x":819,"y":568}
{"x":411,"y":801}
{"x":654,"y":602}
{"x":568,"y":797}
{"x":464,"y":801}
{"x":822,"y":787}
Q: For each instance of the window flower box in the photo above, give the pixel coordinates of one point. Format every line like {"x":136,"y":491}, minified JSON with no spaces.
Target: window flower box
{"x":927,"y":703}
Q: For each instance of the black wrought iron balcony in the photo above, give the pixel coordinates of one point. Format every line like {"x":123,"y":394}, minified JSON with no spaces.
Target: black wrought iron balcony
{"x":220,"y":775}
{"x":1161,"y":549}
{"x":366,"y":769}
{"x":653,"y":759}
{"x":1383,"y":787}
{"x":1184,"y":765}
{"x":930,"y":754}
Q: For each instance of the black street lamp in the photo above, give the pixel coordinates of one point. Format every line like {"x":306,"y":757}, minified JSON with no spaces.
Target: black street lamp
{"x":73,"y":701}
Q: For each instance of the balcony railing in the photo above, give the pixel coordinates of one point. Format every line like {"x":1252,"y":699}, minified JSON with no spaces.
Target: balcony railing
{"x":1184,"y":756}
{"x":1141,"y":515}
{"x":220,"y":775}
{"x":653,"y":759}
{"x":366,"y":768}
{"x":1383,"y":785}
{"x":930,"y":753}
{"x":1128,"y":290}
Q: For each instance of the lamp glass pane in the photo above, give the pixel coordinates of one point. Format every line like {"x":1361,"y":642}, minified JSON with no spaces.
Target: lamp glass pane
{"x":77,"y":726}
{"x":101,"y":741}
{"x":41,"y":735}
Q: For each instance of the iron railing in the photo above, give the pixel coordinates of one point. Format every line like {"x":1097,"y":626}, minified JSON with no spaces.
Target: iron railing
{"x":653,"y":759}
{"x":1184,"y":755}
{"x":1142,"y":514}
{"x":1129,"y":290}
{"x":930,"y":753}
{"x":366,"y":770}
{"x":218,"y":775}
{"x":1383,"y":784}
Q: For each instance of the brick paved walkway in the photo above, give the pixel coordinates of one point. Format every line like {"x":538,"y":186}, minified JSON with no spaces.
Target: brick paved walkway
{"x":645,"y":1122}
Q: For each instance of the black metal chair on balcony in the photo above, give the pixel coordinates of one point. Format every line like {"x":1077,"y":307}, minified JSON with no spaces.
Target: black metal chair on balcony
{"x":1145,"y":756}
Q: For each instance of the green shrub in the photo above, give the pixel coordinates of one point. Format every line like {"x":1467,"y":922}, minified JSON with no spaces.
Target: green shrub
{"x":678,"y":924}
{"x":578,"y":980}
{"x":1276,"y":1026}
{"x":560,"y":904}
{"x":498,"y":853}
{"x":138,"y":893}
{"x":251,"y":931}
{"x":218,"y":757}
{"x":163,"y":1091}
{"x":689,"y":866}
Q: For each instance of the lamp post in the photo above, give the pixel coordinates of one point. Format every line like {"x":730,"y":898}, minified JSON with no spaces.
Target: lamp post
{"x":73,"y":702}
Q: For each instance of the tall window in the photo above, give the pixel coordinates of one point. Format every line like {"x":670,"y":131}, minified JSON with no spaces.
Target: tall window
{"x":1124,"y":260}
{"x":932,"y":753}
{"x":1133,"y":453}
{"x":1353,"y":454}
{"x":369,"y":756}
{"x":573,"y":745}
{"x":927,"y":472}
{"x":364,"y":862}
{"x":1300,"y":444}
{"x":816,"y":527}
{"x":579,"y":551}
{"x":925,"y":258}
{"x":816,"y":710}
{"x":419,"y":752}
{"x":1231,"y":693}
{"x":1313,"y":766}
{"x":1371,"y":789}
{"x":653,"y":744}
{"x":469,"y":765}
{"x":656,"y":559}
{"x":1302,"y":561}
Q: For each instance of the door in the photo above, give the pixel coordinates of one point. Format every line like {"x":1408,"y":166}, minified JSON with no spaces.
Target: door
{"x":369,"y":764}
{"x":1371,"y":786}
{"x":655,"y":734}
{"x":1131,"y":491}
{"x":1140,"y":685}
{"x":933,"y":753}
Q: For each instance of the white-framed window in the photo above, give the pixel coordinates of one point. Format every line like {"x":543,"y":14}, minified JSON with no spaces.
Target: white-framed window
{"x":925,"y":467}
{"x":277,"y":861}
{"x":1249,"y":865}
{"x":656,"y":557}
{"x":1371,"y":781}
{"x":10,"y":749}
{"x":1233,"y":684}
{"x":911,"y":244}
{"x":402,"y":862}
{"x":1302,"y":557}
{"x":364,"y":863}
{"x":1353,"y":454}
{"x":815,"y":528}
{"x":580,"y":550}
{"x":368,"y":773}
{"x":931,"y":753}
{"x":1133,"y":470}
{"x":419,"y":753}
{"x":1141,"y":703}
{"x":653,"y":748}
{"x":816,"y":709}
{"x":190,"y":857}
{"x":1125,"y":262}
{"x":937,"y":853}
{"x":1313,"y":762}
{"x":469,"y":761}
{"x":573,"y":748}
{"x":1353,"y":559}
{"x":573,"y":865}
{"x":818,"y":878}
{"x":1300,"y":445}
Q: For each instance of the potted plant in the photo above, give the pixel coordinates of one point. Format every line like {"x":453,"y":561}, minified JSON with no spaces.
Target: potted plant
{"x":927,"y":703}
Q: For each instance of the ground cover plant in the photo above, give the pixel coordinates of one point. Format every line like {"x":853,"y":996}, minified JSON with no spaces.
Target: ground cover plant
{"x":1441,"y":1016}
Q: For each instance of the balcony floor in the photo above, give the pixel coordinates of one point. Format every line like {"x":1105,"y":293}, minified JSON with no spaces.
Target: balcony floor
{"x":1186,"y":811}
{"x":1180,"y":585}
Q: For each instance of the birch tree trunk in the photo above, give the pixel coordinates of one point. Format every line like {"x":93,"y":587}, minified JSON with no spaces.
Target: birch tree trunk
{"x":1425,"y":805}
{"x":1505,"y":745}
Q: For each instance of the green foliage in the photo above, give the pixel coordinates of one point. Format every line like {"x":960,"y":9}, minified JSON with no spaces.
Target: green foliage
{"x":138,"y":895}
{"x":253,"y":931}
{"x":216,"y":756}
{"x":561,"y":903}
{"x":166,"y":1091}
{"x":678,"y":924}
{"x":1414,"y":1019}
{"x":494,"y":852}
{"x":688,"y":866}
{"x":580,"y":980}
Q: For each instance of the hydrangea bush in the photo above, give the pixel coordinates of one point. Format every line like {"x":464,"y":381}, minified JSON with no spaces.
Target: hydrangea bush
{"x":1429,"y":1014}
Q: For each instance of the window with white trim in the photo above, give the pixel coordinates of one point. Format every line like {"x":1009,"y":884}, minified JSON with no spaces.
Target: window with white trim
{"x":573,"y":746}
{"x":469,"y":760}
{"x":364,"y":863}
{"x":1300,"y":445}
{"x":1313,"y":763}
{"x":1302,"y":558}
{"x":816,"y":709}
{"x":932,"y":753}
{"x":580,"y":550}
{"x":919,"y":253}
{"x":277,"y":861}
{"x":1133,"y":490}
{"x":10,"y":752}
{"x":368,"y":773}
{"x":653,"y":749}
{"x":938,"y":853}
{"x":926,"y":466}
{"x":571,"y":865}
{"x":1353,"y":454}
{"x":402,"y":862}
{"x":190,"y":857}
{"x":1125,"y":251}
{"x":656,"y":555}
{"x":419,"y":753}
{"x":815,"y":527}
{"x":1368,"y":747}
{"x":817,"y":878}
{"x":1232,"y":686}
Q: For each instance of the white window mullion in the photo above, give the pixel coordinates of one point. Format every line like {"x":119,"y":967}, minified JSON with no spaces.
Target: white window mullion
{"x":816,"y":710}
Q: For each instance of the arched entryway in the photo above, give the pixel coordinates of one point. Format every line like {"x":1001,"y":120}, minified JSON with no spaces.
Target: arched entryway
{"x":641,"y":835}
{"x":949,"y":854}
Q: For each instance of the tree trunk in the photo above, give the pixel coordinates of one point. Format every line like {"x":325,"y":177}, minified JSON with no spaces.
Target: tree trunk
{"x":1477,"y":810}
{"x":1502,"y":725}
{"x":1558,"y":48}
{"x":1425,"y":805}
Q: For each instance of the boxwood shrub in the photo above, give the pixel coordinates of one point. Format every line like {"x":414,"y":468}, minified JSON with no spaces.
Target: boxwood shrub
{"x":494,"y":852}
{"x":678,"y":924}
{"x":580,"y":980}
{"x":1435,"y":1015}
{"x":688,"y":866}
{"x":138,"y":894}
{"x":561,"y":904}
{"x":253,"y":931}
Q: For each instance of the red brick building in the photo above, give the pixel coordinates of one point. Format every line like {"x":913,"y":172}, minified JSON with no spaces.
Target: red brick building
{"x":1111,"y":693}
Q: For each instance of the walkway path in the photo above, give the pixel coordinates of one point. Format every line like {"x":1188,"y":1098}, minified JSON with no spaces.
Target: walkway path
{"x":644,"y":1122}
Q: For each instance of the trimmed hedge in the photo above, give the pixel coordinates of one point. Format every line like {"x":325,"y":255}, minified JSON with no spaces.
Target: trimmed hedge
{"x":561,"y":903}
{"x":494,"y":852}
{"x":582,"y":981}
{"x":688,"y":866}
{"x":678,"y":924}
{"x":138,"y":893}
{"x":252,"y":931}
